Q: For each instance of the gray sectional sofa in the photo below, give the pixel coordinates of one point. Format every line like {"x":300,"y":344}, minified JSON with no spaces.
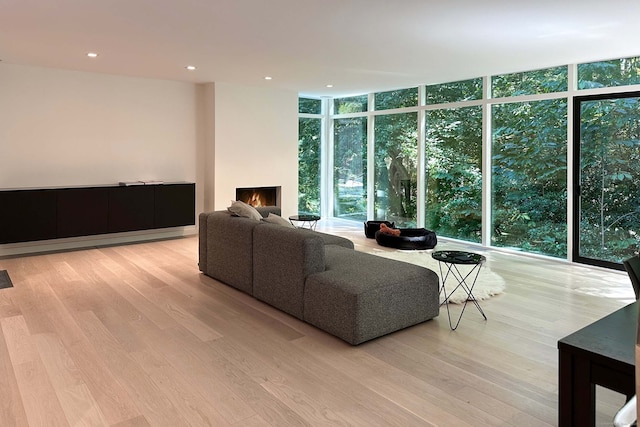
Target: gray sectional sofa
{"x":316,"y":277}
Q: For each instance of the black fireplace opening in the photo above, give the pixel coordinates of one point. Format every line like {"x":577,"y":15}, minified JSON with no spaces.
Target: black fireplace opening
{"x":259,"y":196}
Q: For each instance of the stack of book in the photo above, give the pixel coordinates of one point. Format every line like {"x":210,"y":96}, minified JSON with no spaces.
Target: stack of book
{"x":130,"y":183}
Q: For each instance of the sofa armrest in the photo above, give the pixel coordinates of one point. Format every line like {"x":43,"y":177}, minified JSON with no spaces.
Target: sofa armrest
{"x":330,"y":239}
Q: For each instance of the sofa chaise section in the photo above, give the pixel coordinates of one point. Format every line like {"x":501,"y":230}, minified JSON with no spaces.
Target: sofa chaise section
{"x":360,"y":296}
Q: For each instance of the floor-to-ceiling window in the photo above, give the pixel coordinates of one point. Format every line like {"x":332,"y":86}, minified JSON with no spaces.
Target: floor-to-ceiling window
{"x":608,"y":173}
{"x":453,"y":160}
{"x":607,"y":164}
{"x":529,"y":162}
{"x":350,"y":159}
{"x":310,"y":123}
{"x":512,"y":132}
{"x":396,"y":157}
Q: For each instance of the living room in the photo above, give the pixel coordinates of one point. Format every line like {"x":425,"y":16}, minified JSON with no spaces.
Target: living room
{"x":86,"y":123}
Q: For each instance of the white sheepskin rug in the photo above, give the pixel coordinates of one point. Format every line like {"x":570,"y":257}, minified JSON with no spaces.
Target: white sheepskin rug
{"x":487,"y":285}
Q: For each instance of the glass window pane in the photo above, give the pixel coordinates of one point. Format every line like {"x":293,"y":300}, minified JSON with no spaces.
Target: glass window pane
{"x":396,"y":148}
{"x":309,"y":165}
{"x":350,"y":168}
{"x":352,"y":104}
{"x":454,"y":173}
{"x":309,"y":106}
{"x":617,"y":72}
{"x":548,"y":80}
{"x":529,"y":176}
{"x":465,"y":90}
{"x":396,"y":99}
{"x":609,"y":179}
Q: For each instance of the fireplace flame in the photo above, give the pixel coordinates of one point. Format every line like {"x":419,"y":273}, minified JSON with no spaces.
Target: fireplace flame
{"x":258,"y":196}
{"x":255,"y":200}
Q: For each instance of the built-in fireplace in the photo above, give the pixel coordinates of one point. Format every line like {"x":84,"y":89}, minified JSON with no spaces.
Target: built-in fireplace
{"x":259,"y":196}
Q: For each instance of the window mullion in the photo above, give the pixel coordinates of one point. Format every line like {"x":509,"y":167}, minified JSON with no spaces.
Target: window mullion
{"x":370,"y":159}
{"x":486,"y":163}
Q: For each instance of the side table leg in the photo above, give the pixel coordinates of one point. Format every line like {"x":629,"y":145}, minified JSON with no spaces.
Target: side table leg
{"x":469,"y":289}
{"x":462,"y":282}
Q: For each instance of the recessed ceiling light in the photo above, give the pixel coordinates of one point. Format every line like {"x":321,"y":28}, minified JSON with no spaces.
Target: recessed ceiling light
{"x":268,"y":78}
{"x":329,"y":85}
{"x":92,"y":55}
{"x":190,"y":67}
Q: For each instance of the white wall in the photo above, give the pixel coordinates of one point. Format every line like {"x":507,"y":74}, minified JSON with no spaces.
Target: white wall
{"x":65,"y":128}
{"x":256,"y":142}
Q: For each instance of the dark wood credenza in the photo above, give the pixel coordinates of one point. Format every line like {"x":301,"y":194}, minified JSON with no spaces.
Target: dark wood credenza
{"x":52,"y":213}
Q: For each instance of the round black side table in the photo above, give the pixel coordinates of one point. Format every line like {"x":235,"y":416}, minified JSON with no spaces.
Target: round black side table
{"x":304,"y":221}
{"x":451,"y":260}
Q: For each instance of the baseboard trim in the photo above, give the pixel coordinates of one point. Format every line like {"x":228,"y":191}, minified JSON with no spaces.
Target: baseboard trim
{"x":13,"y":249}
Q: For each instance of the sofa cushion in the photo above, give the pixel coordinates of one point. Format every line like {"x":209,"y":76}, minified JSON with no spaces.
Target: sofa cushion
{"x":360,"y":296}
{"x":239,"y":208}
{"x":278,"y":220}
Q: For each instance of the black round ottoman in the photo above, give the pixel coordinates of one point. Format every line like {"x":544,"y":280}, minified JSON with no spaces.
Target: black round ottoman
{"x":409,"y":238}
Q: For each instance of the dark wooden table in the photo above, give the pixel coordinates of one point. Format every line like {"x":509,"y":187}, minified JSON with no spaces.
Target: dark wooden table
{"x":602,"y":353}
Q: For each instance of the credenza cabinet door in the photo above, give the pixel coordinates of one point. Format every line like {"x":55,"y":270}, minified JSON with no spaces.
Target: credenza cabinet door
{"x":131,"y":208}
{"x":82,"y":211}
{"x":28,"y":215}
{"x":175,"y":205}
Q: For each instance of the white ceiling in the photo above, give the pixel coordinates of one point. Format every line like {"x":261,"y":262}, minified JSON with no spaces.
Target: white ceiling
{"x":357,"y":45}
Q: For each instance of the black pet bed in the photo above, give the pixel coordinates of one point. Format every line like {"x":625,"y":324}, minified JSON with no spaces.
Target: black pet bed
{"x":409,"y":238}
{"x":371,"y":227}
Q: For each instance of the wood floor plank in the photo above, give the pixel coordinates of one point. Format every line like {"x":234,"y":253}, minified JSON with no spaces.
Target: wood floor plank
{"x":236,"y":396}
{"x":192,"y":407}
{"x":80,"y":407}
{"x":152,"y":402}
{"x":114,"y":400}
{"x":38,"y":395}
{"x":41,"y":404}
{"x":12,"y":412}
{"x":133,"y":422}
{"x":8,"y":308}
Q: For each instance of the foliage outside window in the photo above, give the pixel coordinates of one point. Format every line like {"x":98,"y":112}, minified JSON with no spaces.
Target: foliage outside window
{"x":309,"y":106}
{"x":309,"y":131}
{"x":350,"y":168}
{"x":609,"y":171}
{"x":617,"y":72}
{"x":454,"y":173}
{"x":528,"y":165}
{"x":396,"y":148}
{"x":549,"y":80}
{"x":465,"y":90}
{"x":529,"y":176}
{"x":396,"y":99}
{"x":352,"y":104}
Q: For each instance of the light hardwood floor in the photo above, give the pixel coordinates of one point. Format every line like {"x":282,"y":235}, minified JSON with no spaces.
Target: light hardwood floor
{"x":135,"y":335}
